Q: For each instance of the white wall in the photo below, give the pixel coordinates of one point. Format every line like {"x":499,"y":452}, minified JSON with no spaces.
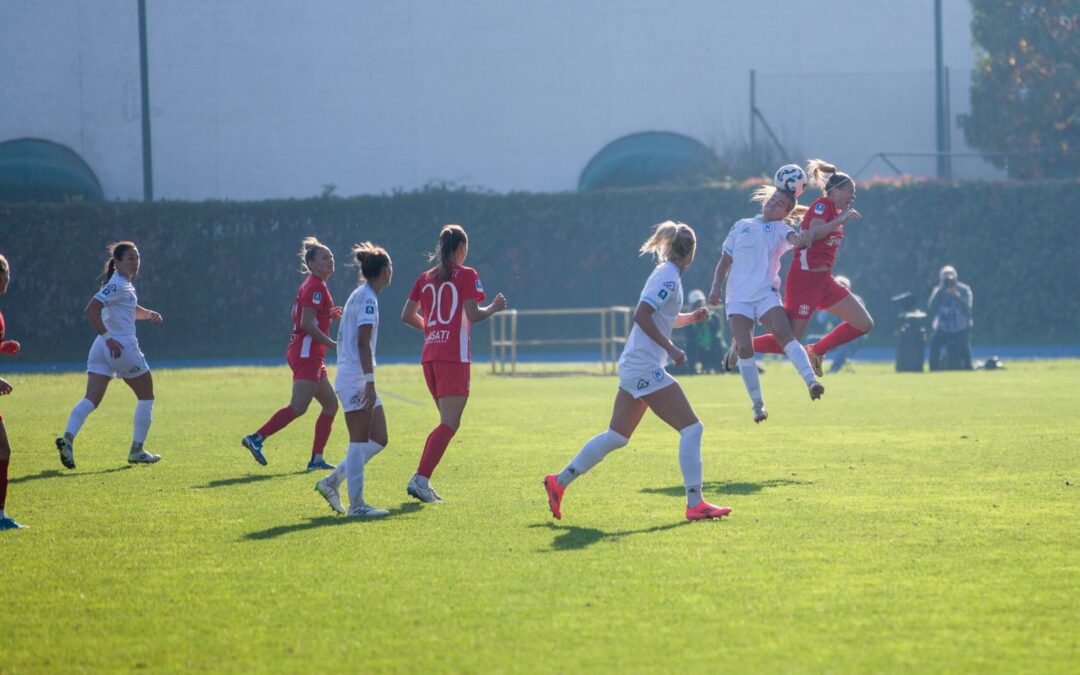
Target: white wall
{"x":272,"y":98}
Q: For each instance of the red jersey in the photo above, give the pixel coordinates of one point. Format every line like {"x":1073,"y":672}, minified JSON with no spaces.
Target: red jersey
{"x":313,"y":293}
{"x":822,"y":251}
{"x":442,"y":305}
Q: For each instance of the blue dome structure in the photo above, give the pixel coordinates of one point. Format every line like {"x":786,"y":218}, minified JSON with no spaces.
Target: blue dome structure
{"x":36,"y":170}
{"x":648,"y":158}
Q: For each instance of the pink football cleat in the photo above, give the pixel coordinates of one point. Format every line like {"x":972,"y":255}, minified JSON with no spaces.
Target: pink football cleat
{"x":706,"y":511}
{"x":555,"y":493}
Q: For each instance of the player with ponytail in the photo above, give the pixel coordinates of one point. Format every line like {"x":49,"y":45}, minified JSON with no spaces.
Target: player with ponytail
{"x":810,"y":281}
{"x":358,"y":333}
{"x":444,"y":303}
{"x":750,"y":268}
{"x":113,"y":312}
{"x":643,"y":381}
{"x":312,"y":313}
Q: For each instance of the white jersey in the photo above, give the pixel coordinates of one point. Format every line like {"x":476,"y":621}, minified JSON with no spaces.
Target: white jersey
{"x":755,"y":248}
{"x":118,"y":296}
{"x":664,"y":292}
{"x":362,"y":308}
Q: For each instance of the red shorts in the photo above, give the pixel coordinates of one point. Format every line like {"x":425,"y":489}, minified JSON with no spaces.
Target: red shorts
{"x":447,"y":378}
{"x":809,"y":291}
{"x":307,"y":369}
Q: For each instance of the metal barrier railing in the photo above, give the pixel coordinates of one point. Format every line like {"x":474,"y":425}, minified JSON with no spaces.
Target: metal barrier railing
{"x":614,"y":329}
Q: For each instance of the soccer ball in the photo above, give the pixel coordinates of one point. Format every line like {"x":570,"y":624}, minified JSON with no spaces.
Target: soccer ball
{"x":791,"y":178}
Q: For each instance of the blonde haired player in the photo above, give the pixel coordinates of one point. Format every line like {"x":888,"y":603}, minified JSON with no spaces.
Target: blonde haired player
{"x":358,"y":333}
{"x":750,"y":265}
{"x":643,"y":381}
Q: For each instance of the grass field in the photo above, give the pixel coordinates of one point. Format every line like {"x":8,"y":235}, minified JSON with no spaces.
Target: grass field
{"x":904,"y":523}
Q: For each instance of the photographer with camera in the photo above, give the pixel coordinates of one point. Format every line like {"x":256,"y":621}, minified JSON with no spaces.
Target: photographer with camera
{"x":950,"y":306}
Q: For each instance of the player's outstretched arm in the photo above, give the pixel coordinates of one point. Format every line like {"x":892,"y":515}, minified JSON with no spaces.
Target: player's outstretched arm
{"x":819,"y":229}
{"x":144,"y":314}
{"x":699,"y":315}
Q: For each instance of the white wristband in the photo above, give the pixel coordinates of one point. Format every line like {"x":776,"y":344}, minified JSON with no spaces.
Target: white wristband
{"x":106,"y":335}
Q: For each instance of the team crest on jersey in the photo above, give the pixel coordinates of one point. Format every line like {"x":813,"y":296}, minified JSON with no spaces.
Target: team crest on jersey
{"x":658,"y":374}
{"x":642,"y":384}
{"x":804,"y":310}
{"x":663,"y":294}
{"x":111,"y":288}
{"x":670,"y":285}
{"x":479,"y":287}
{"x":317,"y":297}
{"x":370,"y":309}
{"x":767,"y":227}
{"x":820,"y":208}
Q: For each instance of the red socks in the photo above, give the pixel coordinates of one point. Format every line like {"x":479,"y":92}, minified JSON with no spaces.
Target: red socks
{"x":3,"y":482}
{"x":322,"y":433}
{"x":279,"y":421}
{"x":767,"y":344}
{"x":843,"y":333}
{"x":436,"y":444}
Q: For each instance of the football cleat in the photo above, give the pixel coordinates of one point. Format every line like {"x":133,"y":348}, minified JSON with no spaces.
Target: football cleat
{"x":706,"y":511}
{"x":330,"y":494}
{"x":731,"y":358}
{"x":253,"y":442}
{"x":143,"y":457}
{"x":760,"y":413}
{"x":816,"y":360}
{"x":67,"y":452}
{"x":317,"y":464}
{"x":554,"y":493}
{"x":10,"y":524}
{"x":367,"y":511}
{"x":816,"y":390}
{"x":424,"y":494}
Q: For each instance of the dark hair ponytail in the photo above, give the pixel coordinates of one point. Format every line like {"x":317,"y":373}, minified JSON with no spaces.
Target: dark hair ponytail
{"x":116,"y":250}
{"x":451,"y":238}
{"x":371,"y":259}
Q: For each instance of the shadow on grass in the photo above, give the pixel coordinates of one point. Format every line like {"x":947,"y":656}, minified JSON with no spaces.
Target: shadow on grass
{"x":724,"y":487}
{"x":324,"y":521}
{"x":67,"y":473}
{"x":572,"y":538}
{"x":250,"y":478}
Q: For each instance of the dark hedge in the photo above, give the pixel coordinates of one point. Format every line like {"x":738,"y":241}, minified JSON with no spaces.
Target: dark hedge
{"x":224,"y":274}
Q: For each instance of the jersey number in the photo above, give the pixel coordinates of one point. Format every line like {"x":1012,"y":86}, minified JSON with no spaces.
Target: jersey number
{"x":437,"y":304}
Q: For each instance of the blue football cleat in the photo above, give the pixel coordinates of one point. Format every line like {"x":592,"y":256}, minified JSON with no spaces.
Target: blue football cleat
{"x":320,"y":464}
{"x":10,"y":524}
{"x":254,"y":443}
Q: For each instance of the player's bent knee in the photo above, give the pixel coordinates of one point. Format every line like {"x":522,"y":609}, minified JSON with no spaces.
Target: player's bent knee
{"x":616,"y":439}
{"x":695,"y":429}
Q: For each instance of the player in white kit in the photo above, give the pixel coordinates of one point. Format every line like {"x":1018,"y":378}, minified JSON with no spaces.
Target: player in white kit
{"x":358,"y":333}
{"x":750,"y":264}
{"x":643,"y":381}
{"x":113,"y":312}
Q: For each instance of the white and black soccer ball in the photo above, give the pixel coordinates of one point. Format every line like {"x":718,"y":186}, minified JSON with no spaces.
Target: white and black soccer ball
{"x":791,"y":178}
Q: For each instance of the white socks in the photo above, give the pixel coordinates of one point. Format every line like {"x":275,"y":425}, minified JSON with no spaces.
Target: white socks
{"x":748,"y":370}
{"x":78,"y":416}
{"x":800,"y":360}
{"x":341,"y":472}
{"x":690,"y":460}
{"x":143,"y":417}
{"x":591,"y":454}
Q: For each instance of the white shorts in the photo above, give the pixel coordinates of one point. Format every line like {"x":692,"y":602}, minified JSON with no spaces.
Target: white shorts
{"x":351,"y":394}
{"x":640,"y":383}
{"x":756,"y":309}
{"x":130,"y":365}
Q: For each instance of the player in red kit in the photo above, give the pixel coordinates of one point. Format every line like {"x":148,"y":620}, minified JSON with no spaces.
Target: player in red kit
{"x":444,"y":303}
{"x":810,"y":283}
{"x":6,"y":347}
{"x":312,"y":313}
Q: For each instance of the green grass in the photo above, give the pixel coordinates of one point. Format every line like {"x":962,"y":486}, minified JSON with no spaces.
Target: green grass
{"x":904,"y":523}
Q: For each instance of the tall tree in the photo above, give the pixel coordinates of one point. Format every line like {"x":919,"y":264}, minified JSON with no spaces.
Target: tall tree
{"x":1025,"y":94}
